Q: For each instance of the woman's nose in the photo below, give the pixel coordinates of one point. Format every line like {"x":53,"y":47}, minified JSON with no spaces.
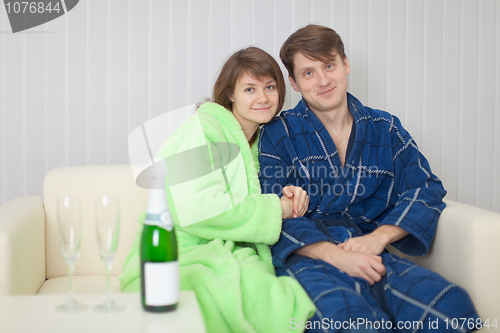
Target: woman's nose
{"x":262,"y":98}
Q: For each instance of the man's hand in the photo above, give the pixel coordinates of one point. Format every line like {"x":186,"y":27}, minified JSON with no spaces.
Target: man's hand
{"x":356,"y":264}
{"x":368,"y":244}
{"x":375,"y":242}
{"x":300,"y":199}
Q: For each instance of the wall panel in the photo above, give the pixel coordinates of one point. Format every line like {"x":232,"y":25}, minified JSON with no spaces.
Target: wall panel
{"x":414,"y":86}
{"x":138,"y":64}
{"x":220,"y":20}
{"x":358,"y":40}
{"x":376,"y":78}
{"x":396,"y":58}
{"x":97,"y":83}
{"x":432,"y":112}
{"x":301,"y":13}
{"x":486,"y":102}
{"x":197,"y":50}
{"x":158,"y":45}
{"x":72,"y":89}
{"x":13,"y":101}
{"x":177,"y":65}
{"x":2,"y":122}
{"x":263,"y":28}
{"x":496,"y":141}
{"x":451,"y":96}
{"x":300,"y":16}
{"x":55,"y":95}
{"x":467,"y":143}
{"x":242,"y":24}
{"x":76,"y":135}
{"x":33,"y":112}
{"x":320,"y":12}
{"x":283,"y":26}
{"x":118,"y":32}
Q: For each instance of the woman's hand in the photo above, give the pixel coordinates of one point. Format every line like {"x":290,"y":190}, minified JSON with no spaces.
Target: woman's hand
{"x":286,"y":207}
{"x":299,"y":197}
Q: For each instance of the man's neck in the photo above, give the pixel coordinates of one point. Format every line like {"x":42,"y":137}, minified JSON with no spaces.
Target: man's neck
{"x":335,"y":119}
{"x":338,"y":123}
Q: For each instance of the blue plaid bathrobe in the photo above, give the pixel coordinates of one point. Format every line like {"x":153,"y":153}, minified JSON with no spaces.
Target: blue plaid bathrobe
{"x":385,"y":181}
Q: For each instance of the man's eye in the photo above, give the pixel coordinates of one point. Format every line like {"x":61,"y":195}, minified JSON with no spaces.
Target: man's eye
{"x":308,"y":73}
{"x":329,"y":66}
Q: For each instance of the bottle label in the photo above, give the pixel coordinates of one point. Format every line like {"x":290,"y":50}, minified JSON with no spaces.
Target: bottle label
{"x":161,"y":283}
{"x":162,"y":220}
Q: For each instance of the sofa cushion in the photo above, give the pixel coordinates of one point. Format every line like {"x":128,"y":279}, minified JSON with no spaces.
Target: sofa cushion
{"x":81,"y":285}
{"x":89,"y":182}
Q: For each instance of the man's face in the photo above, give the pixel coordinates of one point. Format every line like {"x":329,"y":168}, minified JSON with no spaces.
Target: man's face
{"x":323,"y":85}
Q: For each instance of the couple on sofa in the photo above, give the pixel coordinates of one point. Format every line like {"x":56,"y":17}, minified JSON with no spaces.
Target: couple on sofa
{"x":290,"y":232}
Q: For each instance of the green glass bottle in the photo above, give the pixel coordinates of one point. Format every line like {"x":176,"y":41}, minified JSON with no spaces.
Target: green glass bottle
{"x":160,"y":286}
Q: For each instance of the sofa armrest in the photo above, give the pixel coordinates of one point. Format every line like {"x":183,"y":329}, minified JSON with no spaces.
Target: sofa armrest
{"x":22,"y":246}
{"x":465,"y":251}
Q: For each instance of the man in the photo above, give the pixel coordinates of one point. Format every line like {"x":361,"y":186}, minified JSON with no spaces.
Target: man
{"x":368,"y":187}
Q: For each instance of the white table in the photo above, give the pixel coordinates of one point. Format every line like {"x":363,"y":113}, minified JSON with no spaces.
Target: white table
{"x":29,"y":314}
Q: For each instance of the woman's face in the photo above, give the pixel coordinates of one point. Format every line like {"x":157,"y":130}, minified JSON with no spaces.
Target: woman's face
{"x":255,"y":102}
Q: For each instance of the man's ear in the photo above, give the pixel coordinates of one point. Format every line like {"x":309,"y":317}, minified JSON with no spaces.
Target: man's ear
{"x":294,"y":85}
{"x":347,"y":66}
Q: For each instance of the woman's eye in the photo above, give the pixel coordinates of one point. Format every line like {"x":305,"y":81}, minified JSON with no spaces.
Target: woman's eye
{"x":248,"y":89}
{"x":270,"y":87}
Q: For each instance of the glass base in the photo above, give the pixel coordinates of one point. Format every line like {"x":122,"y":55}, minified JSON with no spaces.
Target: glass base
{"x":71,"y":306}
{"x":109,"y":306}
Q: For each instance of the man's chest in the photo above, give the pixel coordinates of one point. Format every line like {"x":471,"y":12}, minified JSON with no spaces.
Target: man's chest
{"x":341,"y":142}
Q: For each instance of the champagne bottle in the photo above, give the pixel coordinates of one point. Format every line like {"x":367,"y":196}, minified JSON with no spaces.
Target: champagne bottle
{"x":159,"y":265}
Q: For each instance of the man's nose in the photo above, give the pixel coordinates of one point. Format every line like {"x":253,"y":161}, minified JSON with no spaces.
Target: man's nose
{"x":323,"y":79}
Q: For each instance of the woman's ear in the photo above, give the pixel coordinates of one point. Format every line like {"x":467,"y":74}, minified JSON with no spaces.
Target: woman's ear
{"x":231,"y":98}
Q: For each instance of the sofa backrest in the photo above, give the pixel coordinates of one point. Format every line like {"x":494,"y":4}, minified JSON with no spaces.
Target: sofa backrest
{"x":89,"y":182}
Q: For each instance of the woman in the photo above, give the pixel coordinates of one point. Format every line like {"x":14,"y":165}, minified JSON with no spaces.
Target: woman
{"x":224,"y":224}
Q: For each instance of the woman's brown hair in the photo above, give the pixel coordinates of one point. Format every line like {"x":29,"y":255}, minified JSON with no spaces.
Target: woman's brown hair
{"x":255,"y":62}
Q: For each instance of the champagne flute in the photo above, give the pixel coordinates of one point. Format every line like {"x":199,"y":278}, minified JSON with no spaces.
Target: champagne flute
{"x":69,"y":230}
{"x":107,"y":223}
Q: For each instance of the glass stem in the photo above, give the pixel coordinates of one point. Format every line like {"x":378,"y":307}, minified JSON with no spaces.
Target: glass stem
{"x":108,"y":288}
{"x":71,"y":268}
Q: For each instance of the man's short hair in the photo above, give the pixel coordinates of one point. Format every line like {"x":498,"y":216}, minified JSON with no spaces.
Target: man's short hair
{"x":313,"y":41}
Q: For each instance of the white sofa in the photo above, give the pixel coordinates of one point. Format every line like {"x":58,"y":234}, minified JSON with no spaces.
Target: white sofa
{"x":464,"y":251}
{"x":30,"y":259}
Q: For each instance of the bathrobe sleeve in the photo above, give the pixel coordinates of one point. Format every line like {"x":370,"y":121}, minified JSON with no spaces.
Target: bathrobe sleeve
{"x":296,"y":232}
{"x":419,"y":194}
{"x":212,"y":184}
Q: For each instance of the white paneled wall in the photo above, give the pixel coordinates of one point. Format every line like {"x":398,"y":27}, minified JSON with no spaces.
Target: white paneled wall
{"x":73,"y":89}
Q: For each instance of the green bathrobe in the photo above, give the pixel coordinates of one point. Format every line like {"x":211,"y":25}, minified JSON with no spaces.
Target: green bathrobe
{"x":224,"y":227}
